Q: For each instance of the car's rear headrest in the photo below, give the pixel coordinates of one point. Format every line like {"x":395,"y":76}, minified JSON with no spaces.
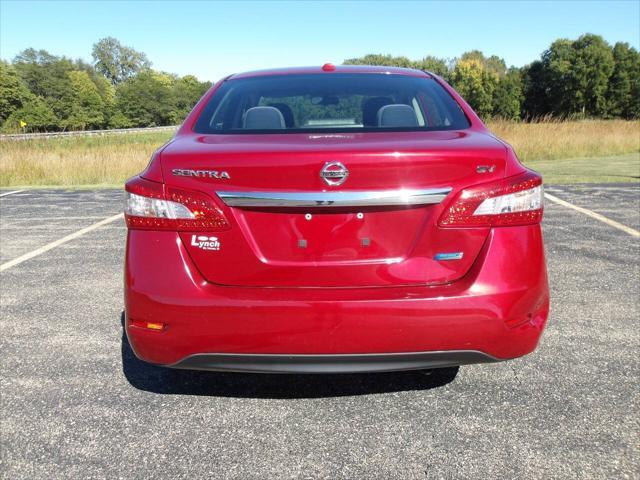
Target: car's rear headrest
{"x":370,"y":109}
{"x":397,"y":115}
{"x":263,"y":118}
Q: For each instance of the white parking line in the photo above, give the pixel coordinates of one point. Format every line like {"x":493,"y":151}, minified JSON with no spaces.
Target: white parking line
{"x":631,"y":231}
{"x":10,"y":193}
{"x":57,"y":243}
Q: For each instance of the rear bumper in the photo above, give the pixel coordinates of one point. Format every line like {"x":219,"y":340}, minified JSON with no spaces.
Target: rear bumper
{"x":496,"y":312}
{"x":380,"y":362}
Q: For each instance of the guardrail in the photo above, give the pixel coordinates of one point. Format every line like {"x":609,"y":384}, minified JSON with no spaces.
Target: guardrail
{"x":81,"y":133}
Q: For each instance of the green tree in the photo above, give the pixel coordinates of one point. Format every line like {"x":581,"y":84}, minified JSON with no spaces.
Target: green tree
{"x":434,"y":65}
{"x":428,"y":63}
{"x":572,"y":78}
{"x":46,"y":76}
{"x":186,"y":93}
{"x":379,"y":59}
{"x":591,"y":71}
{"x":105,"y":88}
{"x":107,"y":93}
{"x":632,"y":109}
{"x":40,"y":70}
{"x":147,"y":99}
{"x":13,"y":92}
{"x":622,"y":93}
{"x":559,"y":77}
{"x":475,"y":84}
{"x":119,"y":120}
{"x":117,"y":62}
{"x":87,"y":106}
{"x":536,"y":102}
{"x":493,"y":64}
{"x":38,"y":116}
{"x":508,"y":96}
{"x":487,"y":79}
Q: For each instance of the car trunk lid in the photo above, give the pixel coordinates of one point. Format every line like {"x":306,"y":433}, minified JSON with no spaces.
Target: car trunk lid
{"x":291,"y":228}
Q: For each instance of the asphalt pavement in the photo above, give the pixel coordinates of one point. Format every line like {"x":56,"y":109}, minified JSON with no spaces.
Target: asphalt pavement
{"x":75,"y":403}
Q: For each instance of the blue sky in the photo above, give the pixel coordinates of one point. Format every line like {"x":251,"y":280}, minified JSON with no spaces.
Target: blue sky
{"x":212,"y":39}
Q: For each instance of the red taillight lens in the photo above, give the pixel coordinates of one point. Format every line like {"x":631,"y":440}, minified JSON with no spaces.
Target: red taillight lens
{"x":152,"y":206}
{"x":516,"y":200}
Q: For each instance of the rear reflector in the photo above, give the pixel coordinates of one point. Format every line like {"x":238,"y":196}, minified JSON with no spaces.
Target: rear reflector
{"x":151,"y":206}
{"x":147,"y":325}
{"x":516,"y":200}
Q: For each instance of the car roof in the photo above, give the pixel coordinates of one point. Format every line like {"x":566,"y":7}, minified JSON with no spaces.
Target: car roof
{"x":337,"y":69}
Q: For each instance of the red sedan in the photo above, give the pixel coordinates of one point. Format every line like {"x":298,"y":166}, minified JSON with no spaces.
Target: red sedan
{"x":334,"y":219}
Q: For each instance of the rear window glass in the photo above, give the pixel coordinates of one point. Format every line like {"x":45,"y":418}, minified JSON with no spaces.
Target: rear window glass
{"x":330,"y":103}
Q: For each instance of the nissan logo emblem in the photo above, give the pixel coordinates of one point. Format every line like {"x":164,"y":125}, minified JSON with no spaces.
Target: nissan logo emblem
{"x":334,"y":173}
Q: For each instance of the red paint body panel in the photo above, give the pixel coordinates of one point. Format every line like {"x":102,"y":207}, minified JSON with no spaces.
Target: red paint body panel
{"x":261,"y":293}
{"x":403,"y":241}
{"x":504,"y":287}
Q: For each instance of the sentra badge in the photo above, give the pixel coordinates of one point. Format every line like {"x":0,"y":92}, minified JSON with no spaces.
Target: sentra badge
{"x":201,"y":173}
{"x":205,"y":243}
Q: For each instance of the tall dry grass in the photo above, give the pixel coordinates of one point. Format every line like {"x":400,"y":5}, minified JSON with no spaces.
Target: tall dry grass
{"x":551,"y":140}
{"x":110,"y":159}
{"x":77,"y":161}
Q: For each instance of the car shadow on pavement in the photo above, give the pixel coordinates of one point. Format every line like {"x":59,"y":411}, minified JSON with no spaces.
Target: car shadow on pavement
{"x":151,"y":378}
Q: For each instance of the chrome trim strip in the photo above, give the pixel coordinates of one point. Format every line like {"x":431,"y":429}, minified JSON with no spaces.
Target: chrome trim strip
{"x":370,"y":198}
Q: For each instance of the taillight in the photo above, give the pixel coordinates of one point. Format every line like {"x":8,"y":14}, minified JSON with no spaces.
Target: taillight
{"x":152,"y":206}
{"x":516,"y":200}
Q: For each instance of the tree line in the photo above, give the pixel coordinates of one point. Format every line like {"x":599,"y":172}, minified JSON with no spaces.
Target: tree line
{"x":579,"y":78}
{"x":119,"y":89}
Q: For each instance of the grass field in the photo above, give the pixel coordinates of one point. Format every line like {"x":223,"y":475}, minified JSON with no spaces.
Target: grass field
{"x":605,"y":169}
{"x":564,"y":152}
{"x":91,"y":161}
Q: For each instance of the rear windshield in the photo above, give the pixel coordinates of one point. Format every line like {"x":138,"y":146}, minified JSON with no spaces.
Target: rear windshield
{"x":330,"y":103}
